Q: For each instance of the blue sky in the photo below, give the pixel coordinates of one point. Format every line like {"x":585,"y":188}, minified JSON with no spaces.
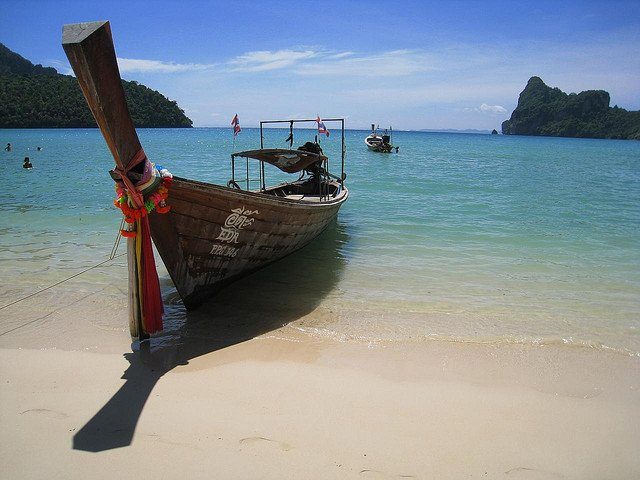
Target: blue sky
{"x":409,"y":64}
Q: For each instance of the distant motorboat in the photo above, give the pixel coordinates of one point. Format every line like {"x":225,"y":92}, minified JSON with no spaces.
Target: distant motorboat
{"x":380,"y":143}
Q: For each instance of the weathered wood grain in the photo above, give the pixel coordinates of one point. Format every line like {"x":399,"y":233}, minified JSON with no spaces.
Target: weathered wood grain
{"x":89,"y":48}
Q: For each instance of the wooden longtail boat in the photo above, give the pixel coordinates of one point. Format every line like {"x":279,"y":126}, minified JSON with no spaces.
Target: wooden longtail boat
{"x":213,"y":234}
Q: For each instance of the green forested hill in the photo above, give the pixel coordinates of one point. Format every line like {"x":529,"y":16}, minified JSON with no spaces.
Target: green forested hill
{"x":33,"y":96}
{"x":543,"y":110}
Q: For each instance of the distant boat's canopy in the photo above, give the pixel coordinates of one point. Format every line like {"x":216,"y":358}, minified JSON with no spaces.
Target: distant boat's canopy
{"x":289,"y":161}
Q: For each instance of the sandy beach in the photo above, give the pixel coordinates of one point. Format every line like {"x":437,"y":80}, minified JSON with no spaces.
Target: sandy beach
{"x":77,"y":403}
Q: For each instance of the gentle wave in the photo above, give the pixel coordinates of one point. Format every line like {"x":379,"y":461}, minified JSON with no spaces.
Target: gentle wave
{"x":480,"y":340}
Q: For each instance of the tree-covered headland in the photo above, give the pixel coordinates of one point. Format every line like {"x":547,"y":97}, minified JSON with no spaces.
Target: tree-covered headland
{"x":33,"y":96}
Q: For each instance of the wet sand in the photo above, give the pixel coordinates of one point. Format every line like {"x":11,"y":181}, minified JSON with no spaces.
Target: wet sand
{"x":77,"y":403}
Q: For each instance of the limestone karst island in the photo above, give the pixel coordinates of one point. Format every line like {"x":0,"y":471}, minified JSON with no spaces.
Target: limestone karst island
{"x":547,"y":111}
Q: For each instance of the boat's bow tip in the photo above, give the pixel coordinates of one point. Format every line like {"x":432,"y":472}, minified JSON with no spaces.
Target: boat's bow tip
{"x":77,"y":32}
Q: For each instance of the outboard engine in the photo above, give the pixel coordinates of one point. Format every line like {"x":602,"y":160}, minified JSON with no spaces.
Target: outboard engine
{"x":311,"y":147}
{"x":315,"y":168}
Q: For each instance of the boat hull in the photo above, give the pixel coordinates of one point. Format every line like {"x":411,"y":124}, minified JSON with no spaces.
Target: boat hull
{"x":215,"y":235}
{"x":380,"y":148}
{"x":375,"y":144}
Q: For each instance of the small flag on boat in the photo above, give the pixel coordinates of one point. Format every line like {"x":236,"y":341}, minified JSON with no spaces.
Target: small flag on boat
{"x":321,"y":127}
{"x":236,"y":125}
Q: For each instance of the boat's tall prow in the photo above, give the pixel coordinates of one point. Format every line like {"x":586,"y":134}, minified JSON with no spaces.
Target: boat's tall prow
{"x":207,"y":235}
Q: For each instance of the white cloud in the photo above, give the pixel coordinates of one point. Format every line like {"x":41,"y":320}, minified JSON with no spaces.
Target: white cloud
{"x":497,"y":109}
{"x":127,"y":65}
{"x":342,"y":55}
{"x":395,"y":63}
{"x":316,"y":62}
{"x":265,"y":60}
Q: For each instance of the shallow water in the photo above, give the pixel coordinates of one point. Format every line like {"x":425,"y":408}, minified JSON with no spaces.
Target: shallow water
{"x":457,"y":237}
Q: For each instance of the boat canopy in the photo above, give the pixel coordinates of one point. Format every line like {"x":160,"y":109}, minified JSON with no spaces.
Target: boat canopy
{"x":289,"y":161}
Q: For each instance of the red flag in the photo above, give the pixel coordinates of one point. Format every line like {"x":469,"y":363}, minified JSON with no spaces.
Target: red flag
{"x":321,"y":127}
{"x":236,"y":125}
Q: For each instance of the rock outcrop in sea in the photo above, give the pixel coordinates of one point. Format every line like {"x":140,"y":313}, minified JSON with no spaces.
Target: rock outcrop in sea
{"x":547,"y":111}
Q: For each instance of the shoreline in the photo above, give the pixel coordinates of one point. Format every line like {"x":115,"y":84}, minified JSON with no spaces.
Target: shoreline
{"x":96,"y":295}
{"x":292,"y":311}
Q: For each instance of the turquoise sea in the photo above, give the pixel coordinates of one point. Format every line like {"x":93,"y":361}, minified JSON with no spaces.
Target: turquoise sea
{"x":458,"y":237}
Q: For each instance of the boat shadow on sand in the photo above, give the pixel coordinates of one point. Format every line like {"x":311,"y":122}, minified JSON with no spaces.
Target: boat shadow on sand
{"x":265,"y":301}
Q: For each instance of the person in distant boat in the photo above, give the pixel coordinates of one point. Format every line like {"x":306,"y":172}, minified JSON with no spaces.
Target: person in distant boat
{"x":27,"y":163}
{"x":8,"y":147}
{"x":39,"y":148}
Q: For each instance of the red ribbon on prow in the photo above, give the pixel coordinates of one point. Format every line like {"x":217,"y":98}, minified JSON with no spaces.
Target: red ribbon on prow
{"x":152,"y":307}
{"x":149,"y":294}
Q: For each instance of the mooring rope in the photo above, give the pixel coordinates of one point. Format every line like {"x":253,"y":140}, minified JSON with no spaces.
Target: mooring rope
{"x":116,"y":243}
{"x":61,"y":281}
